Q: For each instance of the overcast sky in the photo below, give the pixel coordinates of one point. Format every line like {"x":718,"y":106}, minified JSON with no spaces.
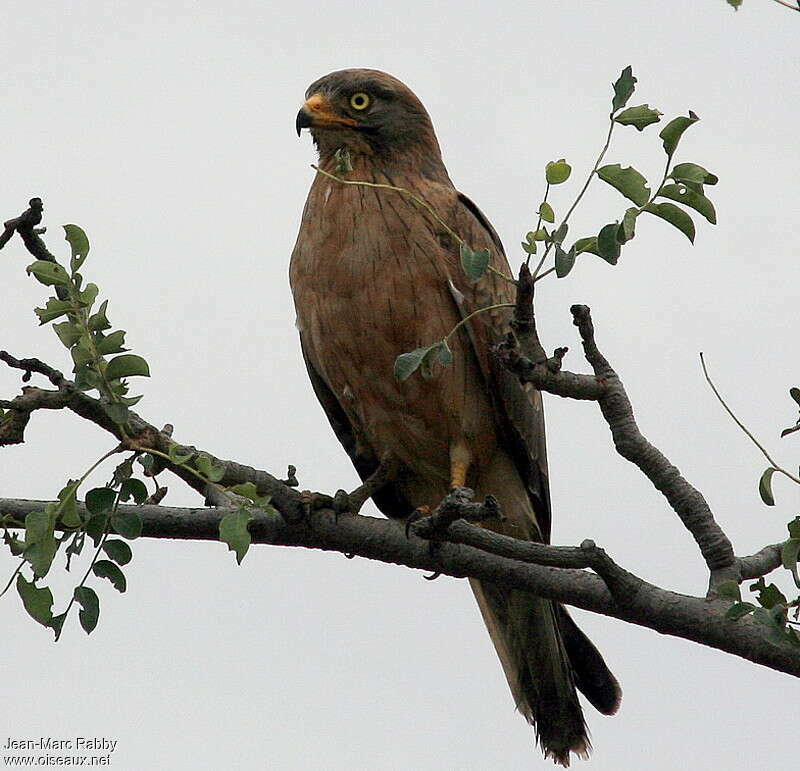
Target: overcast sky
{"x":166,"y":129}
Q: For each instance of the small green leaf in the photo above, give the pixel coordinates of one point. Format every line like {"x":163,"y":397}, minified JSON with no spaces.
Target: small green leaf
{"x":179,"y":454}
{"x":119,"y":551}
{"x":564,"y":260}
{"x":739,"y":610}
{"x":789,"y":556}
{"x":95,"y":527}
{"x":69,"y":509}
{"x":557,"y":172}
{"x":735,"y":4}
{"x":68,"y":333}
{"x":118,"y":412}
{"x":765,"y":487}
{"x":233,"y":531}
{"x":769,"y":596}
{"x":87,"y":297}
{"x":474,"y":262}
{"x":445,"y":354}
{"x":639,"y":117}
{"x":628,"y":181}
{"x":546,"y":212}
{"x":38,"y":601}
{"x":529,"y":247}
{"x":623,"y":89}
{"x":406,"y":364}
{"x":627,"y":230}
{"x":675,"y":216}
{"x":40,"y":542}
{"x":110,"y":343}
{"x":692,"y":173}
{"x":560,"y":234}
{"x":795,"y":394}
{"x":245,"y":489}
{"x":210,"y":469}
{"x":79,"y":243}
{"x":98,"y":321}
{"x":57,"y":624}
{"x":133,"y":488}
{"x":90,"y":607}
{"x":127,"y":524}
{"x":343,"y":163}
{"x":794,"y":528}
{"x":671,"y":133}
{"x":696,"y":201}
{"x":53,"y":309}
{"x":100,"y":500}
{"x":48,"y":273}
{"x":607,"y":244}
{"x":586,"y":245}
{"x":127,"y":365}
{"x":107,"y":569}
{"x":539,"y":235}
{"x":729,"y":590}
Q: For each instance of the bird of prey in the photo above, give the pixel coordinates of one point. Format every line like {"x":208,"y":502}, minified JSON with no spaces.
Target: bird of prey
{"x":375,"y":275}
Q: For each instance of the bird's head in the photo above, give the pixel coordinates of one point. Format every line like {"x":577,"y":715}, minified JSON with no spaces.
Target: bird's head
{"x":368,"y":112}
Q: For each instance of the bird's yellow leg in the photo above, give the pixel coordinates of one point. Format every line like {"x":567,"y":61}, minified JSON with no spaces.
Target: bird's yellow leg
{"x":460,"y":461}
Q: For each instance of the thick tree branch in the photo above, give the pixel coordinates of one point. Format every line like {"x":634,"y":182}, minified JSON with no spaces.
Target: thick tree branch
{"x":524,"y":355}
{"x":693,"y":618}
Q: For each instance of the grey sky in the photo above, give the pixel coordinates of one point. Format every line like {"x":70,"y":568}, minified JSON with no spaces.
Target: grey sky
{"x":166,"y":129}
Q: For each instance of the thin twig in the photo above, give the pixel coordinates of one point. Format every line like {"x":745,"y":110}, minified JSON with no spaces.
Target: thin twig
{"x":744,"y":428}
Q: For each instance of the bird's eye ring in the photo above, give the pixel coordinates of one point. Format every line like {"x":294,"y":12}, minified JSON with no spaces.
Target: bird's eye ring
{"x":359,"y":101}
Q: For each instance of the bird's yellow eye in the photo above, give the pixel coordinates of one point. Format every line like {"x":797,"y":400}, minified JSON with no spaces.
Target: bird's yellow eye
{"x":359,"y":101}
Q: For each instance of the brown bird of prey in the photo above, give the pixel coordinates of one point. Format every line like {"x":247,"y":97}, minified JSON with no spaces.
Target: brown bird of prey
{"x":375,"y":275}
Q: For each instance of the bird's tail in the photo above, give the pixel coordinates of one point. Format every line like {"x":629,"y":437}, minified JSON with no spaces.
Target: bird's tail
{"x":536,"y":641}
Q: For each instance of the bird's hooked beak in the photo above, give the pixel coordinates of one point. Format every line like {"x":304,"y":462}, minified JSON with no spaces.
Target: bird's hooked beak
{"x":318,"y":112}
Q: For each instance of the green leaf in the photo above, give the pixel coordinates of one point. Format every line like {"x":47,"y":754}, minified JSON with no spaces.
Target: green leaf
{"x":794,"y":528}
{"x":69,"y":509}
{"x":68,"y":333}
{"x":557,"y":172}
{"x":696,"y":201}
{"x":671,"y":133}
{"x":729,"y":590}
{"x":48,"y":273}
{"x":795,"y":394}
{"x":769,"y":596}
{"x":564,"y":260}
{"x":233,"y":531}
{"x":789,"y":555}
{"x":607,"y":244}
{"x":133,"y":488}
{"x":40,"y":542}
{"x":107,"y":569}
{"x":765,"y":487}
{"x":179,"y":454}
{"x":474,"y":262}
{"x":95,"y":527}
{"x":38,"y":601}
{"x":639,"y":117}
{"x":739,"y":610}
{"x":90,"y":607}
{"x":736,"y":4}
{"x":406,"y":364}
{"x":560,"y":234}
{"x":623,"y":89}
{"x":98,"y":321}
{"x":100,"y":500}
{"x":87,"y":297}
{"x":586,"y":245}
{"x":213,"y":471}
{"x":79,"y":243}
{"x":118,"y":412}
{"x":627,"y":230}
{"x":53,"y":309}
{"x":127,"y":524}
{"x":111,"y":343}
{"x":343,"y":163}
{"x":245,"y":489}
{"x":691,"y":173}
{"x":127,"y":365}
{"x":546,"y":212}
{"x":119,"y":551}
{"x":57,"y":624}
{"x":674,"y":215}
{"x":628,"y":181}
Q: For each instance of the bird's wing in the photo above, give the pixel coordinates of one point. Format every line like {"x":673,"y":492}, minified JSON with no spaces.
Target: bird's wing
{"x":389,"y":500}
{"x":518,"y":412}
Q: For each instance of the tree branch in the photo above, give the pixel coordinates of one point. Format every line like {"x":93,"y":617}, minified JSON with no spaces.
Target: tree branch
{"x":524,"y":355}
